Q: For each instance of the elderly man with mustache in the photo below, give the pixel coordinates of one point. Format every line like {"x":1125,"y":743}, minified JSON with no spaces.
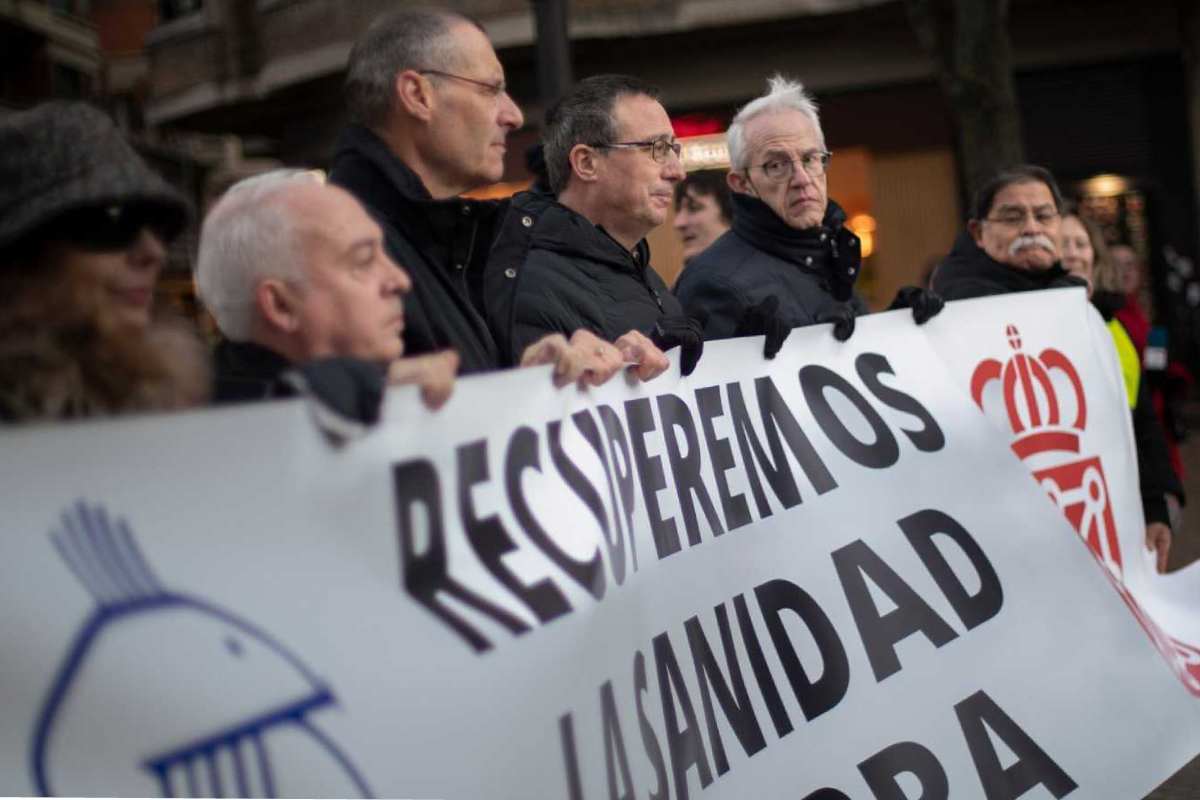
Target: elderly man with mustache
{"x":1011,"y":241}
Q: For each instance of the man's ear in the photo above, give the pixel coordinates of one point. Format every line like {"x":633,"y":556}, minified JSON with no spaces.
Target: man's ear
{"x":975,"y":228}
{"x":738,"y":183}
{"x":278,"y":305}
{"x":585,"y":163}
{"x":414,"y":94}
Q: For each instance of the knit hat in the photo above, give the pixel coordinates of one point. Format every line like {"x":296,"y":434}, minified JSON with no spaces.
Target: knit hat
{"x":64,"y":156}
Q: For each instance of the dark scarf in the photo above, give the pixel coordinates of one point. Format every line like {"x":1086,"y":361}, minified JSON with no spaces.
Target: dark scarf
{"x":969,"y":264}
{"x":829,"y":251}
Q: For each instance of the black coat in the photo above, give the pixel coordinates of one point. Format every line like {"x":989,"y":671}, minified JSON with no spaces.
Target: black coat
{"x":970,"y":272}
{"x":245,"y":372}
{"x":553,"y":271}
{"x":442,"y":244}
{"x":811,"y":271}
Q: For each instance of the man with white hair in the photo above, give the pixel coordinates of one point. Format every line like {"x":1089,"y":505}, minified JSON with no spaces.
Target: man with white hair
{"x":1012,"y":239}
{"x":788,"y":260}
{"x":294,"y":272}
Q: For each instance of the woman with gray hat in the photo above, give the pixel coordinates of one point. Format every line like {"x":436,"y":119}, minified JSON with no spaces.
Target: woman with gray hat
{"x":84,"y":225}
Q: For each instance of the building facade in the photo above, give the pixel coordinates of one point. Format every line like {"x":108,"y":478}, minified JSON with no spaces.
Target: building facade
{"x":1105,"y":87}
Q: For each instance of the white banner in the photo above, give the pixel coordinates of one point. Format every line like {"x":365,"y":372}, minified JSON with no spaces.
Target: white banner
{"x":824,"y":576}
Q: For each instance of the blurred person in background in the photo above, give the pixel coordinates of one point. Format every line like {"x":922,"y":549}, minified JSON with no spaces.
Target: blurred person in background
{"x":703,"y":210}
{"x":1128,"y":267}
{"x":84,"y":227}
{"x":1085,"y":256}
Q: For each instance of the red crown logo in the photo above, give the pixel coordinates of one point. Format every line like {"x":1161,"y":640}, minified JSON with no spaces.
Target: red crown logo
{"x":1030,"y":399}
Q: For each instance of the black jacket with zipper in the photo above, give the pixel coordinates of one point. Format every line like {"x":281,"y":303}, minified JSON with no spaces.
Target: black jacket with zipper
{"x":553,"y":271}
{"x":442,"y":244}
{"x":811,"y":271}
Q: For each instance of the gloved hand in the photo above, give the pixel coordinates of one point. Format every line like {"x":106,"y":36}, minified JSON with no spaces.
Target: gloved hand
{"x":842,"y":317}
{"x":683,"y":332}
{"x":764,"y":320}
{"x":345,"y":394}
{"x":925,"y":303}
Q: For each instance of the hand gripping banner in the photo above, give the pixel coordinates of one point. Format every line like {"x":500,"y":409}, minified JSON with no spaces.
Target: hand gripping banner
{"x":907,"y":565}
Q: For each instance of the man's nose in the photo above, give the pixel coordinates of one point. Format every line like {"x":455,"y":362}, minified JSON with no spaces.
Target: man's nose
{"x":673,"y":170}
{"x":509,"y":115}
{"x":681,"y":220}
{"x":399,"y":282}
{"x":800,"y":176}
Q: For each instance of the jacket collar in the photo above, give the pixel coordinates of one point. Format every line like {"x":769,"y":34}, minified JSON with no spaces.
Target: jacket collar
{"x":756,"y":222}
{"x":364,"y":162}
{"x":830,"y":251}
{"x":566,"y":232}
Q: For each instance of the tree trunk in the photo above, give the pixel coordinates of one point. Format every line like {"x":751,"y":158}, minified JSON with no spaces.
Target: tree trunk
{"x":1190,"y":35}
{"x":969,"y":42}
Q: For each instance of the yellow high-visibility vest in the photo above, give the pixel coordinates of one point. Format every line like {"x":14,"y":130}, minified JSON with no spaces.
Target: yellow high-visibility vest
{"x":1127,"y":354}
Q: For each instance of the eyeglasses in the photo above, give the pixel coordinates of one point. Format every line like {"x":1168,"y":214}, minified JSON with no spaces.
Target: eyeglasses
{"x":1013,"y":217}
{"x":112,"y":227}
{"x":489,"y":89}
{"x":814,"y":162}
{"x":659,"y":148}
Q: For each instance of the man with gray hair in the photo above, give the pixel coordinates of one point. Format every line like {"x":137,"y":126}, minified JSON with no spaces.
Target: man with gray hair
{"x":294,"y":273}
{"x":1012,"y":239}
{"x":788,"y":260}
{"x":581,"y":261}
{"x":430,"y":116}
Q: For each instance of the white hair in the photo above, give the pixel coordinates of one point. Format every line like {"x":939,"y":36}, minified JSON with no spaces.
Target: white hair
{"x":782,"y":95}
{"x":248,"y":236}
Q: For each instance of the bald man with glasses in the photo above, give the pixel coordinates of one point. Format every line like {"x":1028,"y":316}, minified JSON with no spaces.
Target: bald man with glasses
{"x":578,"y":258}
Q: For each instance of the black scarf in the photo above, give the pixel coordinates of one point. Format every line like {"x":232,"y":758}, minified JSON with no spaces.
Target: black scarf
{"x":829,"y":251}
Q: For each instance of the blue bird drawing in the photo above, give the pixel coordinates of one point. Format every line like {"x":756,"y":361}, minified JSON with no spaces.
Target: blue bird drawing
{"x":165,"y":694}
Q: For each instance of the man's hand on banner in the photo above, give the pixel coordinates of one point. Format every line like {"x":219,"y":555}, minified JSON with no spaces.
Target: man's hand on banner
{"x":1158,"y":541}
{"x":764,"y":320}
{"x":434,"y":373}
{"x":644,"y":355}
{"x":586,"y":357}
{"x":842,"y":317}
{"x":684,"y":332}
{"x":925,"y":304}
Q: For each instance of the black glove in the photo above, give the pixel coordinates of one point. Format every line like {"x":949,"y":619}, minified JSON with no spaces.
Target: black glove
{"x":346,"y":393}
{"x":764,"y":320}
{"x":842,"y":317}
{"x":925,"y":303}
{"x":683,"y":332}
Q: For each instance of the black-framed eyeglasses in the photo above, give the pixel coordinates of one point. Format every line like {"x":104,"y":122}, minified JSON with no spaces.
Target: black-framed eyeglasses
{"x":814,"y":163}
{"x":1013,"y":217}
{"x":490,"y":89}
{"x":111,"y":227}
{"x":659,"y":148}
